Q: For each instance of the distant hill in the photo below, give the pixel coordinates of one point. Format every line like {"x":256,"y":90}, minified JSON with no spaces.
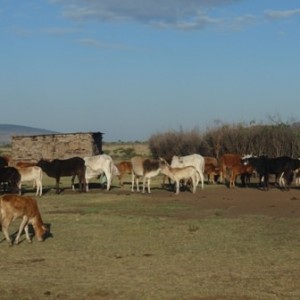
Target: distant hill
{"x":8,"y":130}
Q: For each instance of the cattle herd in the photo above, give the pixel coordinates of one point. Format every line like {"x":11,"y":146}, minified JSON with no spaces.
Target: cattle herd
{"x":184,"y":171}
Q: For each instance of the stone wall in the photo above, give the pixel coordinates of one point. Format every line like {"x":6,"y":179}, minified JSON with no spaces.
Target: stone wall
{"x":51,"y":146}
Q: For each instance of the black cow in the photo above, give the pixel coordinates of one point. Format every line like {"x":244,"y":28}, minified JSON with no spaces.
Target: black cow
{"x":12,"y":177}
{"x":280,"y":166}
{"x":65,"y":167}
{"x":3,"y":161}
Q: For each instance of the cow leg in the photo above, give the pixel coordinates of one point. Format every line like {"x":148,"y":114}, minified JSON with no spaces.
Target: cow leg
{"x":57,"y":185}
{"x":144,"y":184}
{"x":87,"y":186}
{"x":137,"y":182}
{"x":108,"y":183}
{"x":20,"y":188}
{"x":194,"y":185}
{"x":177,"y":186}
{"x":72,"y":182}
{"x":232,"y":180}
{"x":23,"y":224}
{"x":5,"y":225}
{"x":222,"y":174}
{"x":132,"y":181}
{"x":266,"y":181}
{"x":202,"y":180}
{"x":149,"y":185}
{"x":26,"y":228}
{"x":82,"y":183}
{"x":39,"y":187}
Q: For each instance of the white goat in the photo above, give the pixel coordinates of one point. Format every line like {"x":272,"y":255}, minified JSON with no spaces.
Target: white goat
{"x":145,"y":168}
{"x":178,"y":174}
{"x":195,"y":160}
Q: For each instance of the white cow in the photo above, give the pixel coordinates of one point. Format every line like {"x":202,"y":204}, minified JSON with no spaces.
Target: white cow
{"x":195,"y":160}
{"x":97,"y":165}
{"x":34,"y":174}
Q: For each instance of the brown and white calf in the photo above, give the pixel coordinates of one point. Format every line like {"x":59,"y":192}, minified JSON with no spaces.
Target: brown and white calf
{"x":34,"y":174}
{"x":13,"y":207}
{"x":143,"y":168}
{"x":179,"y":174}
{"x":195,"y":160}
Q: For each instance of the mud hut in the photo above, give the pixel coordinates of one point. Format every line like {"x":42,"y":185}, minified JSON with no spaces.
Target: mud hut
{"x":32,"y":148}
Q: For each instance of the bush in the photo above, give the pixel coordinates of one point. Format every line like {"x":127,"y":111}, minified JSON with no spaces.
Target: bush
{"x":271,"y":140}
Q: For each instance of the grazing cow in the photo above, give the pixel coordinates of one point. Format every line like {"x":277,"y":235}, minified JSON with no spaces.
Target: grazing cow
{"x":26,"y":208}
{"x":65,"y":167}
{"x":195,"y":160}
{"x":124,"y":167}
{"x":145,"y":168}
{"x":34,"y":174}
{"x":178,"y":174}
{"x":226,"y":162}
{"x":240,"y":169}
{"x":280,"y":166}
{"x":97,"y":165}
{"x":11,"y":176}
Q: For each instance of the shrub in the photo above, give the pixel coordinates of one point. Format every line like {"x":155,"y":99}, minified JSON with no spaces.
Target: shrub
{"x":272,"y":140}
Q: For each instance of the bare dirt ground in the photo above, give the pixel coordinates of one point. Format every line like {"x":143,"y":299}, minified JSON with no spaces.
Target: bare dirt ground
{"x":231,"y":203}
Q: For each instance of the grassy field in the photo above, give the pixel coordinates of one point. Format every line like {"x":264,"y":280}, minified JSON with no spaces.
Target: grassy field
{"x":123,"y":245}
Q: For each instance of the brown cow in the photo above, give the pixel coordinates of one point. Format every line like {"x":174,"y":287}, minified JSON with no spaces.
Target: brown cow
{"x":211,"y":168}
{"x":240,"y":169}
{"x":26,"y":208}
{"x":226,"y":162}
{"x":211,"y":171}
{"x":124,"y":167}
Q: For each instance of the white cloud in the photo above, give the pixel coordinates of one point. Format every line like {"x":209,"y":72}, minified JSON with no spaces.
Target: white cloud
{"x":177,"y":14}
{"x":167,"y":14}
{"x":282,"y":14}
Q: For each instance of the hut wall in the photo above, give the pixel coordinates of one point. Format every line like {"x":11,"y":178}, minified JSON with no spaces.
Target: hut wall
{"x":61,"y":146}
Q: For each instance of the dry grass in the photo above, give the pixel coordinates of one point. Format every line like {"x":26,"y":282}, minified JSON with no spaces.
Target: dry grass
{"x":109,"y":245}
{"x":121,"y":151}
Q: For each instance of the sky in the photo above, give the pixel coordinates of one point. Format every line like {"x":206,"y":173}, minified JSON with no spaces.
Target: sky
{"x":134,"y":68}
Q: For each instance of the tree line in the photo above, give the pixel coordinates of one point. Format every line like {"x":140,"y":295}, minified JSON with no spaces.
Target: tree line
{"x":280,"y":139}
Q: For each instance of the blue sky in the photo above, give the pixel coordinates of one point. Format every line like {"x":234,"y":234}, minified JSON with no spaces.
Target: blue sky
{"x":133,"y":68}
